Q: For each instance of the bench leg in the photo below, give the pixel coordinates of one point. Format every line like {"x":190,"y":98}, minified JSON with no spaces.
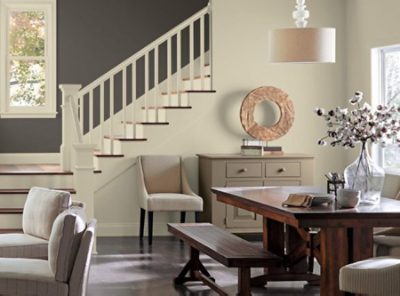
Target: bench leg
{"x":244,"y":284}
{"x":193,"y":267}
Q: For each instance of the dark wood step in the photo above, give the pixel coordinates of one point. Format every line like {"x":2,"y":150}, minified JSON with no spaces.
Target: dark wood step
{"x":26,"y":191}
{"x":121,"y":138}
{"x":197,"y":77}
{"x":97,"y":171}
{"x":147,"y":123}
{"x":11,"y":230}
{"x":11,"y":210}
{"x":32,"y":169}
{"x":169,"y":107}
{"x":104,"y":155}
{"x":190,"y":91}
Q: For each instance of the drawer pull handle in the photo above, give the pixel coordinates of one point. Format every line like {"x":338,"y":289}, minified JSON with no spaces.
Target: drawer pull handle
{"x":281,"y":170}
{"x":243,"y":170}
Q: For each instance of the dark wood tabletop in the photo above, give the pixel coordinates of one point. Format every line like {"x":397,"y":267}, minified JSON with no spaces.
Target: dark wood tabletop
{"x":268,"y":200}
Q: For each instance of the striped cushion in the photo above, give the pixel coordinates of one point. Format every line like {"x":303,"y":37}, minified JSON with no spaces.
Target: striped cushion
{"x":376,"y":276}
{"x":20,"y":245}
{"x":29,"y":277}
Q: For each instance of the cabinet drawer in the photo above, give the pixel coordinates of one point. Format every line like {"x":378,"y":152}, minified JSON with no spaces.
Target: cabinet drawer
{"x":243,"y":169}
{"x":283,"y":169}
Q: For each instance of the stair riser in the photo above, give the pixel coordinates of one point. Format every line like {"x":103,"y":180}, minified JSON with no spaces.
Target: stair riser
{"x":174,"y":100}
{"x":197,"y":84}
{"x":11,"y":221}
{"x":28,"y":181}
{"x":150,"y":115}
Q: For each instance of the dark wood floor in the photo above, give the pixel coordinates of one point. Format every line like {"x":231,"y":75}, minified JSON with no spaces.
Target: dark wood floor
{"x":124,"y":267}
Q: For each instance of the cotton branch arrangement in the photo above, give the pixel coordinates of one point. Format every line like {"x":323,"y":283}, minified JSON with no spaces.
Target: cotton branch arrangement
{"x":361,"y":124}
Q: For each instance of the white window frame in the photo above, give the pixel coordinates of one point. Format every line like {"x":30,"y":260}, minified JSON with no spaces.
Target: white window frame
{"x":49,"y":110}
{"x":378,"y":95}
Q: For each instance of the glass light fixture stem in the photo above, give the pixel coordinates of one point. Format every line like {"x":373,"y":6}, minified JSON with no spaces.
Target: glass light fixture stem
{"x":301,"y":14}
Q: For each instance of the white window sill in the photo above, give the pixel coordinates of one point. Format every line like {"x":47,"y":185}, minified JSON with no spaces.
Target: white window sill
{"x":29,"y":115}
{"x":392,"y":171}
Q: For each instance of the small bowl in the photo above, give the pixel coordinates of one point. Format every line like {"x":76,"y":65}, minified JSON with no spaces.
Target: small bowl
{"x":348,"y":198}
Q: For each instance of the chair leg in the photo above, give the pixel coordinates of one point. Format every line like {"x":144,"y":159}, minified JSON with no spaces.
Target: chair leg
{"x":197,"y":217}
{"x":150,"y":224}
{"x":183,"y":217}
{"x":142,"y":219}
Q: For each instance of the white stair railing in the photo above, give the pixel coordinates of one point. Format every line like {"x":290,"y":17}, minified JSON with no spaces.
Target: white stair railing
{"x":85,"y":97}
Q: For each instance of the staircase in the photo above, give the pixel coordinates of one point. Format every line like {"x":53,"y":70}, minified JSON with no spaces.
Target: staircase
{"x":121,"y":114}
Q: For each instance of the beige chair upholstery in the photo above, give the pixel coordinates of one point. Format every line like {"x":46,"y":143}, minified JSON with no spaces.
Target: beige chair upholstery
{"x":41,"y":208}
{"x":66,"y":271}
{"x":376,"y":277}
{"x":387,"y":240}
{"x":163,"y":186}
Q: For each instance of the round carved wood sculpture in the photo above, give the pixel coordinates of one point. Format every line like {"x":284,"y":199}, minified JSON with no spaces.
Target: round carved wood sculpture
{"x":261,"y":94}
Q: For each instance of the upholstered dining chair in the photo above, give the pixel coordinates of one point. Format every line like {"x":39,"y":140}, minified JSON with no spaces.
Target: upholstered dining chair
{"x":65,"y":273}
{"x":374,"y":277}
{"x":41,"y":208}
{"x":163,"y":186}
{"x":387,"y":240}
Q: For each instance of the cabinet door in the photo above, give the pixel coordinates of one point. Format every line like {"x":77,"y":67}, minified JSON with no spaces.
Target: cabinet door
{"x":239,"y":218}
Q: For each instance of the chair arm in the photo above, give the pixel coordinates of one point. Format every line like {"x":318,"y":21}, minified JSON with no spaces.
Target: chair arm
{"x":186,"y":189}
{"x":142,"y":193}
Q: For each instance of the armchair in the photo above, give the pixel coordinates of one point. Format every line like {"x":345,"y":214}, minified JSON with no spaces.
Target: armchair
{"x":40,"y":210}
{"x":66,"y":271}
{"x":163,"y":186}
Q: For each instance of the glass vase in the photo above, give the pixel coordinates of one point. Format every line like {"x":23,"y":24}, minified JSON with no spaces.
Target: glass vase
{"x":364,"y":175}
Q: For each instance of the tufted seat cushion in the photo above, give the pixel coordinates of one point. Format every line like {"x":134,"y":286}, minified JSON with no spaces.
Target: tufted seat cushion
{"x":29,"y":277}
{"x":174,"y":202}
{"x":20,"y":245}
{"x":375,"y":276}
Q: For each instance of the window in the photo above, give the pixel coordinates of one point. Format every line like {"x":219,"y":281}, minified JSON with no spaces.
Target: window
{"x":28,"y":58}
{"x":386,"y":91}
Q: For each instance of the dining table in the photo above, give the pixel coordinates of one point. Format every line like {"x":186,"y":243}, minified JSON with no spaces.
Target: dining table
{"x":334,"y":236}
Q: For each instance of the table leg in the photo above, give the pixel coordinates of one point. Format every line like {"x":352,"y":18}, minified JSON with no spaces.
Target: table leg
{"x":361,"y":243}
{"x":244,"y":287}
{"x":334,"y":254}
{"x":296,"y":245}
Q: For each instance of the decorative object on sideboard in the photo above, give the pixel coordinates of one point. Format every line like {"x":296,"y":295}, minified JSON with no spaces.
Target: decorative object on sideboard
{"x":301,"y":44}
{"x":334,"y":182}
{"x":270,"y":94}
{"x":361,"y":125}
{"x":252,"y":147}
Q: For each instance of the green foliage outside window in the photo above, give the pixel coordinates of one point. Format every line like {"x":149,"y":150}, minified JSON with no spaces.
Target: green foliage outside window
{"x":27,"y":33}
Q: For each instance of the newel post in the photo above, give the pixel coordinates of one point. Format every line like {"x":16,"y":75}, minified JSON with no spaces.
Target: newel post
{"x":84,"y":177}
{"x":69,"y":91}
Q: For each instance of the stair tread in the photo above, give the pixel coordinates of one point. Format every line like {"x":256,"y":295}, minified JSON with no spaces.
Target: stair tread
{"x":11,"y":230}
{"x":168,"y":107}
{"x":32,"y":169}
{"x":26,"y":190}
{"x":122,"y":138}
{"x":147,"y":123}
{"x":107,"y":155}
{"x":197,"y":77}
{"x":189,"y":91}
{"x":11,"y":210}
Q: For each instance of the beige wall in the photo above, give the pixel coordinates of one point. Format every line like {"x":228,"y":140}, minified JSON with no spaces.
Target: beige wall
{"x":240,"y":60}
{"x":370,"y":24}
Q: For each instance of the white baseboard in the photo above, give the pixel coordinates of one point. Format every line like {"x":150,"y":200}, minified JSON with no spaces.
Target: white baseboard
{"x":35,"y":158}
{"x":129,"y":229}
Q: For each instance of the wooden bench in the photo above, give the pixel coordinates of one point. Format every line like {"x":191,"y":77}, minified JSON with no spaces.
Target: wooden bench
{"x":225,"y":248}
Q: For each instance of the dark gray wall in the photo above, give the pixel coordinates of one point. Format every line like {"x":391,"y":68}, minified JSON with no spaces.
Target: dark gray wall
{"x":93,"y":36}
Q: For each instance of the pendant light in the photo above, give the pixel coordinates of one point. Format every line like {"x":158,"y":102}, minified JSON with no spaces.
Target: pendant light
{"x":301,"y":44}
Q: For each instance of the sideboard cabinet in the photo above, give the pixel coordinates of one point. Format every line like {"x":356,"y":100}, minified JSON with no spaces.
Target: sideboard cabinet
{"x":247,"y":171}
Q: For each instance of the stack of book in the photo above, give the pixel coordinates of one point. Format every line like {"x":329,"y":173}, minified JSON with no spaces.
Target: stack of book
{"x":252,"y":147}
